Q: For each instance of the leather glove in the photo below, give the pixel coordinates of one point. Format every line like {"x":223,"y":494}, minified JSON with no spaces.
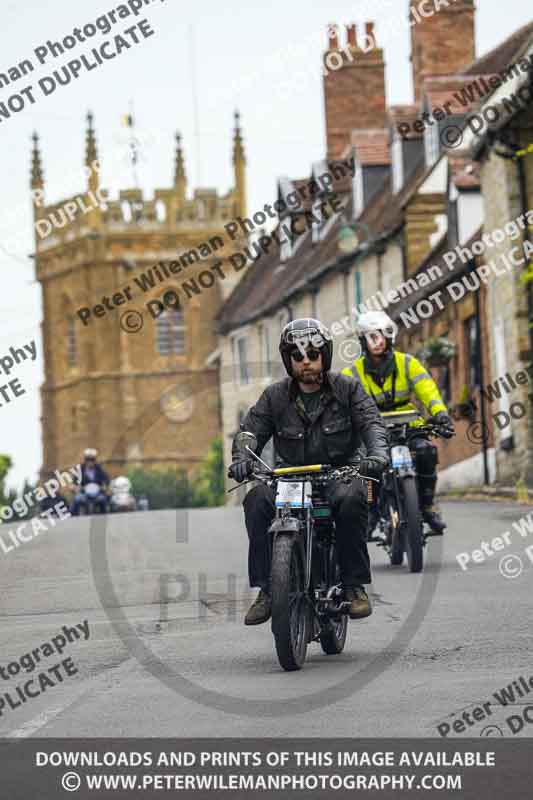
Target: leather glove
{"x":240,"y":470}
{"x":442,"y":418}
{"x":373,"y":466}
{"x":444,"y":421}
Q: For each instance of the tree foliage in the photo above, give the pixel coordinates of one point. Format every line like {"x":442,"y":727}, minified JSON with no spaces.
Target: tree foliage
{"x":209,"y":489}
{"x":7,"y":497}
{"x":164,"y":488}
{"x":171,"y":488}
{"x":5,"y":465}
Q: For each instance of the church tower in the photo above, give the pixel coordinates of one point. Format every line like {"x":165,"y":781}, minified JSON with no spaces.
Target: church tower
{"x":131,"y":375}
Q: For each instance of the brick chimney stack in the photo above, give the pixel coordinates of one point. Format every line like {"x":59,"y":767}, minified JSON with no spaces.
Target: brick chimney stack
{"x":333,"y":36}
{"x":354,"y":87}
{"x":442,"y":44}
{"x":370,"y":36}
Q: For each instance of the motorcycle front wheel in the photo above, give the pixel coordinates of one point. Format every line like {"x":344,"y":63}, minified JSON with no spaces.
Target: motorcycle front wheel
{"x":414,"y":542}
{"x":290,"y":613}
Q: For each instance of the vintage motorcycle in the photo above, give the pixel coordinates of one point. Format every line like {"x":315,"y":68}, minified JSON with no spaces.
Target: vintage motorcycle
{"x":93,"y":499}
{"x":122,"y":498}
{"x":307,"y":598}
{"x":400,"y":527}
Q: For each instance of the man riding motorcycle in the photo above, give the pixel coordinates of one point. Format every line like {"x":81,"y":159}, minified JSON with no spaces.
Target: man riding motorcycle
{"x":315,"y":416}
{"x":392,"y":378}
{"x":91,"y":472}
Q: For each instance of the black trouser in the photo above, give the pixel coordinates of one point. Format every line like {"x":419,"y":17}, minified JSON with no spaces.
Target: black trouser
{"x":426,"y":458}
{"x":350,"y":511}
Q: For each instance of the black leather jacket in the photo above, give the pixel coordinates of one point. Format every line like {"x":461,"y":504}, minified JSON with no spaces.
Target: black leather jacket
{"x":346,"y":419}
{"x":100,"y":476}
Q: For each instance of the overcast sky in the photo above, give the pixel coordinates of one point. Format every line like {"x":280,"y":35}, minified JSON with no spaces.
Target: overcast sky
{"x":263,"y":59}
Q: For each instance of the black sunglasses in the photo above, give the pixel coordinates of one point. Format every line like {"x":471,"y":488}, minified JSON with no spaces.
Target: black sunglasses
{"x":312,"y":355}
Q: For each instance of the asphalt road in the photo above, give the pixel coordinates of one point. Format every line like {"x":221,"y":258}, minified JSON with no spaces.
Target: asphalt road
{"x":436,"y":645}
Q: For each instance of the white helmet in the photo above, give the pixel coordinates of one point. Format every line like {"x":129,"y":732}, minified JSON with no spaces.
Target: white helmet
{"x":373,"y":321}
{"x":122,"y":484}
{"x":90,"y":453}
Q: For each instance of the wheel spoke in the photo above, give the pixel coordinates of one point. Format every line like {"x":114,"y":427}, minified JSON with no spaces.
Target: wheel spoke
{"x":296,"y":613}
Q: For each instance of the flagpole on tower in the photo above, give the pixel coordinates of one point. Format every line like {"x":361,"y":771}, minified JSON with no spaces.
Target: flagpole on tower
{"x":192,"y":54}
{"x":133,"y":143}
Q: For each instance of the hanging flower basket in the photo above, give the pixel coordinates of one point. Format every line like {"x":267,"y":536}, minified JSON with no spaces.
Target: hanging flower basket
{"x":437,"y":352}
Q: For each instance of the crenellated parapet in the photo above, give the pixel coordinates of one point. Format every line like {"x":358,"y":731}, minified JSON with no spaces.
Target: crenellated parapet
{"x":94,"y":211}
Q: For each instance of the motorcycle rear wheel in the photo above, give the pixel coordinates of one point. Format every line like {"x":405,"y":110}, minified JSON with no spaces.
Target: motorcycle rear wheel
{"x":333,"y":637}
{"x":413,"y":535}
{"x":290,"y":613}
{"x":333,"y":633}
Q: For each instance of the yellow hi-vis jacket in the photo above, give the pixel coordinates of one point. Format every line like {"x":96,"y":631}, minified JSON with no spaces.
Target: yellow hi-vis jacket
{"x":411,"y":378}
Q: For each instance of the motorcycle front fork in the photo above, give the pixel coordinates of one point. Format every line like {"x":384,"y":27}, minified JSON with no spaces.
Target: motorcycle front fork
{"x":393,"y":512}
{"x":389,"y":508}
{"x":328,"y":601}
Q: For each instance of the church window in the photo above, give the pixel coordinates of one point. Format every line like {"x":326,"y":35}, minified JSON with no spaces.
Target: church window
{"x":72,"y":351}
{"x":170,"y":332}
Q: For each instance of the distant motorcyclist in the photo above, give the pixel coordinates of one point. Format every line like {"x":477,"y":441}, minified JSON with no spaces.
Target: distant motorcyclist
{"x":91,"y":472}
{"x":392,"y":378}
{"x":122,"y":498}
{"x":315,"y":416}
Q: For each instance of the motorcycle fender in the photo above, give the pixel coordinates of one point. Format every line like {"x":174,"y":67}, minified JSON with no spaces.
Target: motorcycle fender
{"x":289,"y":527}
{"x":292,"y":526}
{"x":405,"y":472}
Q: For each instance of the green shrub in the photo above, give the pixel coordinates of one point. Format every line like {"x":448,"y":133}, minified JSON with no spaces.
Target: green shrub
{"x":8,"y":496}
{"x":209,"y":489}
{"x":164,"y":488}
{"x":171,"y":489}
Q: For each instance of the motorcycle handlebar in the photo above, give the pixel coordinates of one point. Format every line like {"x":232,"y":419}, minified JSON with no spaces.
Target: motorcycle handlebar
{"x":326,"y":470}
{"x":297,"y":470}
{"x":445,"y":431}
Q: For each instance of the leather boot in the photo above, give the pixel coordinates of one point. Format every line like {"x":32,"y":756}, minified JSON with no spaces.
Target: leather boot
{"x":260,"y":610}
{"x":432,"y":517}
{"x":359,"y":603}
{"x":373,"y":519}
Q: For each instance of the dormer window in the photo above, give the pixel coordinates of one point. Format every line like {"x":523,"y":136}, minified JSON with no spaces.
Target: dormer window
{"x":397,"y":164}
{"x":372,"y":165}
{"x":453,"y":221}
{"x":431,"y":144}
{"x":358,"y":191}
{"x":317,"y":221}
